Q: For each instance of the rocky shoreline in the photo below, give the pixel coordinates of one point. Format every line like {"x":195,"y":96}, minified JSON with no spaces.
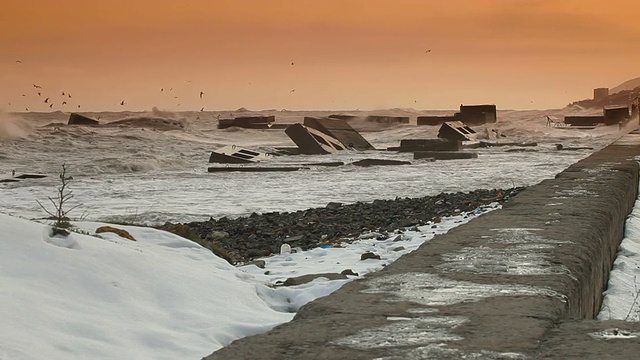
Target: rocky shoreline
{"x":246,"y":238}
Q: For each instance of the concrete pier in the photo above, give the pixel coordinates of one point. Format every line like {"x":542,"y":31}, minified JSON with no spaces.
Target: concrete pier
{"x":523,"y":282}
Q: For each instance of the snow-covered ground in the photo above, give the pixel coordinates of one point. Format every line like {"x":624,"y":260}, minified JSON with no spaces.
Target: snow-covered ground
{"x":622,"y":298}
{"x":162,"y":296}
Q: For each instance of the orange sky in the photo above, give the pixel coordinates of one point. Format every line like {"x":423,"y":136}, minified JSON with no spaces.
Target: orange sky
{"x":346,"y":54}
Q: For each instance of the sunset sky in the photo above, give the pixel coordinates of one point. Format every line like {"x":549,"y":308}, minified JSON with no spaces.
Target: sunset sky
{"x":312,"y":54}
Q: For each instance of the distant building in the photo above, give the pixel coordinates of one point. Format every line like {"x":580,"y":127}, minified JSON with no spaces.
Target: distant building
{"x":600,"y":93}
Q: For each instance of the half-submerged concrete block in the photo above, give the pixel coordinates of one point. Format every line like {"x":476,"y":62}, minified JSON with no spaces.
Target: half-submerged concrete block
{"x":384,"y":119}
{"x":379,"y":162}
{"x":584,"y":120}
{"x":313,"y":142}
{"x":236,"y":155}
{"x":340,"y":130}
{"x":444,"y":155}
{"x":456,"y":131}
{"x":248,"y":122}
{"x":411,"y":145}
{"x":342,"y":116}
{"x":77,"y":119}
{"x":616,"y":114}
{"x":434,"y":120}
{"x":477,"y":114}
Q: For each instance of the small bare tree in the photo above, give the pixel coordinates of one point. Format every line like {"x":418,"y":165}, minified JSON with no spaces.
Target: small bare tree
{"x":59,"y":214}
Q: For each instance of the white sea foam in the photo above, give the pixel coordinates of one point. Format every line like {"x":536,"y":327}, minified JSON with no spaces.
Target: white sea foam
{"x":137,"y":166}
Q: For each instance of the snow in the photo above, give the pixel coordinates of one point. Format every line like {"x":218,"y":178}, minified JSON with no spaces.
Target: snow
{"x":162,"y":296}
{"x":622,"y":298}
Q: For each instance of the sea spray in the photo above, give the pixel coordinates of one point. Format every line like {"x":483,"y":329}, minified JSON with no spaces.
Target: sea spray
{"x":12,"y":127}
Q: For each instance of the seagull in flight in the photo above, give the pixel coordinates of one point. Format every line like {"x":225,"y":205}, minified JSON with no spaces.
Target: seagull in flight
{"x":19,"y":62}
{"x":37,"y":86}
{"x":64,"y":103}
{"x":202,"y":108}
{"x":46,"y":101}
{"x":201,"y":93}
{"x":122,"y":102}
{"x":292,"y":90}
{"x":39,"y":94}
{"x":428,"y":51}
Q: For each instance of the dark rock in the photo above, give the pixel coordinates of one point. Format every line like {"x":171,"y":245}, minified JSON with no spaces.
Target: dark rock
{"x":333,"y":205}
{"x":369,"y":255}
{"x":299,"y":280}
{"x":349,"y":272}
{"x":259,"y":263}
{"x":333,"y":225}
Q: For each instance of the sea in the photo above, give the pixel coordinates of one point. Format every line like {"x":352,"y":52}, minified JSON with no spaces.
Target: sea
{"x":151,"y":167}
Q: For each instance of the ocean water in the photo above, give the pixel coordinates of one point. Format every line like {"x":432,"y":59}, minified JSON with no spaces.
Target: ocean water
{"x":147,"y":170}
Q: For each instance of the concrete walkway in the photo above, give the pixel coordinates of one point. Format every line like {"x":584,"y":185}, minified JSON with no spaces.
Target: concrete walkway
{"x":522,"y":282}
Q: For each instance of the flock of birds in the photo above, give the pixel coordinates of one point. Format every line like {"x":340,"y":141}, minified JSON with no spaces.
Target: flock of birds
{"x":66,"y":97}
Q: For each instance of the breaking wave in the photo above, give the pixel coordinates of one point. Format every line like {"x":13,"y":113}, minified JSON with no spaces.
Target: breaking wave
{"x":13,"y":128}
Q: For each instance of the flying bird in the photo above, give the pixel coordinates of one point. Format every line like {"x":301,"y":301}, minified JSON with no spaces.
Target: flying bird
{"x":78,"y":106}
{"x":202,"y":108}
{"x":161,"y":89}
{"x":64,"y":103}
{"x":46,"y":101}
{"x":37,"y":86}
{"x":292,"y":90}
{"x":27,"y":109}
{"x":428,"y":51}
{"x":39,"y":94}
{"x":24,"y":95}
{"x":201,"y":93}
{"x":291,"y":64}
{"x":19,"y":62}
{"x":63,"y":93}
{"x":69,"y":96}
{"x":51,"y":106}
{"x":122,"y":102}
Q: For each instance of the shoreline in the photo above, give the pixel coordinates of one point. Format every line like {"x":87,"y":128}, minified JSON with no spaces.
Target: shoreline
{"x":243,"y":239}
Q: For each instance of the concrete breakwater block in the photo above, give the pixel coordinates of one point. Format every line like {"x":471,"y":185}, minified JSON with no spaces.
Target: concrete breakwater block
{"x":615,"y":114}
{"x":248,"y":122}
{"x":339,"y":130}
{"x":411,"y":145}
{"x":342,"y":116}
{"x":378,"y":162}
{"x":434,"y":120}
{"x":383,"y":119}
{"x":77,"y":119}
{"x":444,"y":155}
{"x":477,"y":114}
{"x":584,"y":120}
{"x":236,"y":155}
{"x":255,"y":169}
{"x":311,"y":141}
{"x":457,"y":130}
